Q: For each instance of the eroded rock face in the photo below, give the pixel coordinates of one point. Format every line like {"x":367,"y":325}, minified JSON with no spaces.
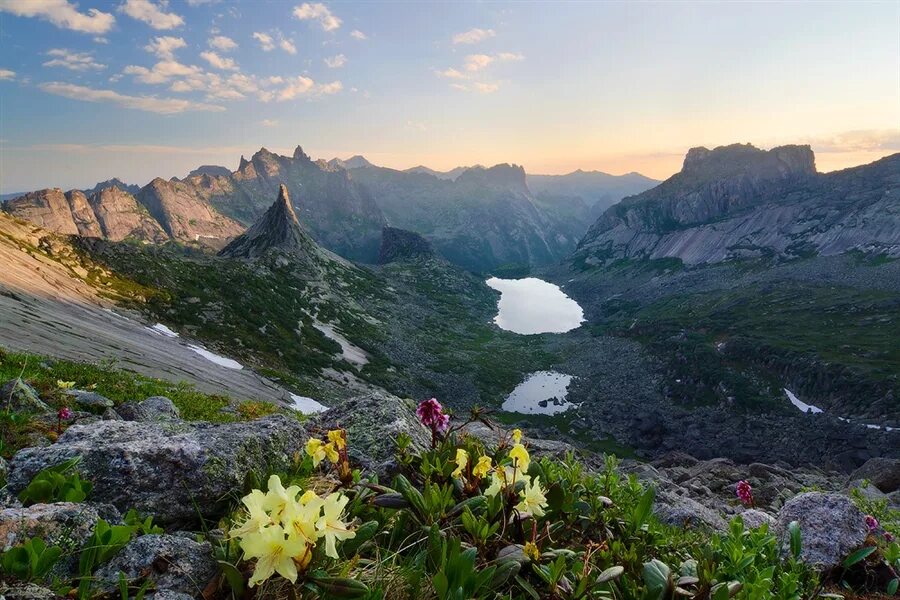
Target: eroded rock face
{"x":46,"y":208}
{"x":174,"y":563}
{"x":121,"y":217}
{"x":883,"y":473}
{"x":184,"y":215}
{"x":831,"y":527}
{"x":174,"y":471}
{"x":399,"y":244}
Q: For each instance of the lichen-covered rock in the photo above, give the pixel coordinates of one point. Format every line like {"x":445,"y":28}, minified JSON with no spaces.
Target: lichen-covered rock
{"x":90,"y":401}
{"x":25,"y":591}
{"x":883,"y":473}
{"x":175,"y":471}
{"x":754,"y":519}
{"x":20,"y":397}
{"x":154,"y":408}
{"x":831,"y":527}
{"x":373,"y":422}
{"x":683,"y":511}
{"x":538,"y":447}
{"x":175,"y":564}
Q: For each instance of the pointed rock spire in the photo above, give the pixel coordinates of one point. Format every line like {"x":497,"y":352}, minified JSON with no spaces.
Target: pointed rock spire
{"x":278,"y":230}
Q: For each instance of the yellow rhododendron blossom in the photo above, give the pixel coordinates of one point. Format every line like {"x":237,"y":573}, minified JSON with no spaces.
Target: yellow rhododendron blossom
{"x":520,"y":458}
{"x":531,"y":551}
{"x":462,"y":459}
{"x":257,"y":518}
{"x":336,"y":436}
{"x":277,"y":498}
{"x":532,"y":497}
{"x":517,"y":436}
{"x":65,"y":385}
{"x":330,"y":525}
{"x":316,"y":449}
{"x":330,"y":453}
{"x":300,"y":517}
{"x":274,"y":553}
{"x":482,"y":467}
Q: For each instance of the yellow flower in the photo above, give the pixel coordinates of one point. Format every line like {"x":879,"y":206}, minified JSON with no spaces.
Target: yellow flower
{"x":532,"y":497}
{"x":278,"y":498}
{"x":315,"y":448}
{"x":517,"y":436}
{"x":482,"y":467}
{"x":462,"y":459}
{"x":300,"y":517}
{"x":330,"y":525}
{"x":274,"y":553}
{"x":520,"y":458}
{"x":257,"y":518}
{"x":336,"y":436}
{"x":65,"y":385}
{"x":531,"y":551}
{"x":330,"y":453}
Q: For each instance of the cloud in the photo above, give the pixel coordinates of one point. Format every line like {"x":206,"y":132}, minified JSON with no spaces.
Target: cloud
{"x":265,"y":41}
{"x":61,"y":13}
{"x":163,"y":106}
{"x":151,"y":14}
{"x":356,"y":34}
{"x":451,"y":73}
{"x":477,"y":86}
{"x":222,"y":43}
{"x":303,"y":86}
{"x":336,"y":62}
{"x":477,"y":62}
{"x":269,"y":123}
{"x":165,"y":46}
{"x":318,"y":12}
{"x":162,"y":72}
{"x":74,"y":61}
{"x":863,"y":140}
{"x":7,"y":75}
{"x":473,"y":36}
{"x":101,"y":40}
{"x":226,"y":64}
{"x":202,"y":2}
{"x":509,"y":57}
{"x":287,"y":45}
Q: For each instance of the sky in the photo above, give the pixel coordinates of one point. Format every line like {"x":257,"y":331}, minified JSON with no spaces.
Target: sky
{"x":94,"y":89}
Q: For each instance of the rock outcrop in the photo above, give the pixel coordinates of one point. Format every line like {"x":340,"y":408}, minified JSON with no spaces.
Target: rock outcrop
{"x":738,"y":201}
{"x":121,"y":217}
{"x":831,"y":527}
{"x":178,"y":472}
{"x":399,"y":245}
{"x":184,"y":215}
{"x":45,"y":208}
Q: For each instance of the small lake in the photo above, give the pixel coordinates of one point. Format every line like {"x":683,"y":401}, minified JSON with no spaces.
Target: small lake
{"x":532,"y":305}
{"x":542,"y":393}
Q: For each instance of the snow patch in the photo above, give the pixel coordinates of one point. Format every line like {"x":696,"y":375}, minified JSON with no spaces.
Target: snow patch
{"x":307,"y":405}
{"x":803,"y":406}
{"x":163,"y":330}
{"x":215,"y":358}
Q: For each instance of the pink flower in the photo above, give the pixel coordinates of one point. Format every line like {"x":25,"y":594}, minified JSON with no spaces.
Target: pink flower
{"x":744,"y":492}
{"x":871,"y":522}
{"x":65,"y":413}
{"x":888,"y":537}
{"x":431,"y":414}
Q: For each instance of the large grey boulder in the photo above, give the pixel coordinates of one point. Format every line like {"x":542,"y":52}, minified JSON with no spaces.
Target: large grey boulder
{"x":154,"y":408}
{"x":883,"y":473}
{"x":175,"y":471}
{"x":831,"y":527}
{"x":373,"y":422}
{"x":18,"y":396}
{"x":90,"y":401}
{"x":754,"y":519}
{"x":175,"y":564}
{"x":683,"y":511}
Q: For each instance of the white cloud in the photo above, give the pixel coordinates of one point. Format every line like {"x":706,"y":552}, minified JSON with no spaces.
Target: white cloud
{"x":61,"y":13}
{"x":222,"y":43}
{"x":7,"y":75}
{"x":164,"y":106}
{"x":473,"y":36}
{"x":151,"y":14}
{"x":477,"y":86}
{"x":226,"y":64}
{"x":74,"y":61}
{"x":303,"y":86}
{"x":356,"y":34}
{"x":269,"y":123}
{"x":265,"y":41}
{"x":451,"y":73}
{"x":201,"y":2}
{"x":864,"y":140}
{"x":101,"y":40}
{"x":476,"y":62}
{"x":336,"y":62}
{"x":162,"y":72}
{"x":165,"y":46}
{"x":287,"y":45}
{"x":318,"y":12}
{"x":509,"y":57}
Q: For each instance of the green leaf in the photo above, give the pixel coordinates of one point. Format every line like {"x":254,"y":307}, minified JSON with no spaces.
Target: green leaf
{"x":892,"y":586}
{"x":234,"y":578}
{"x":341,"y":587}
{"x":796,"y":540}
{"x":657,"y":579}
{"x":610,"y":574}
{"x":858,"y":556}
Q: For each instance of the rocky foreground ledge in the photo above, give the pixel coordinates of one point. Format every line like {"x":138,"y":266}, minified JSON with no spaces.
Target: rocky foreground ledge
{"x":143,"y":456}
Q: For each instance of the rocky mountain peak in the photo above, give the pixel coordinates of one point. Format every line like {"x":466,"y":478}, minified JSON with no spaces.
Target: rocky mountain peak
{"x":299,"y":154}
{"x":243,"y":164}
{"x":278,"y":231}
{"x":503,"y":176}
{"x":212,"y":170}
{"x":400,"y":244}
{"x":778,"y":163}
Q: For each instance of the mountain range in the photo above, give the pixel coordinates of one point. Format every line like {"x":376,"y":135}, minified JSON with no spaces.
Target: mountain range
{"x":480,"y":218}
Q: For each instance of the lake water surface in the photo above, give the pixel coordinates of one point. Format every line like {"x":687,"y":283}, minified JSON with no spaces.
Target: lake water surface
{"x":542,"y":393}
{"x":532,"y":305}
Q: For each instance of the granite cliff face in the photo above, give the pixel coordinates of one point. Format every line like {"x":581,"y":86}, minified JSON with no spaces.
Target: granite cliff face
{"x":184,"y":214}
{"x":738,"y":202}
{"x":121,"y":217}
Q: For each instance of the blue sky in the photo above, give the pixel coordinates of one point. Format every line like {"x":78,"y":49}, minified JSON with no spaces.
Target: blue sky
{"x":137,"y":88}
